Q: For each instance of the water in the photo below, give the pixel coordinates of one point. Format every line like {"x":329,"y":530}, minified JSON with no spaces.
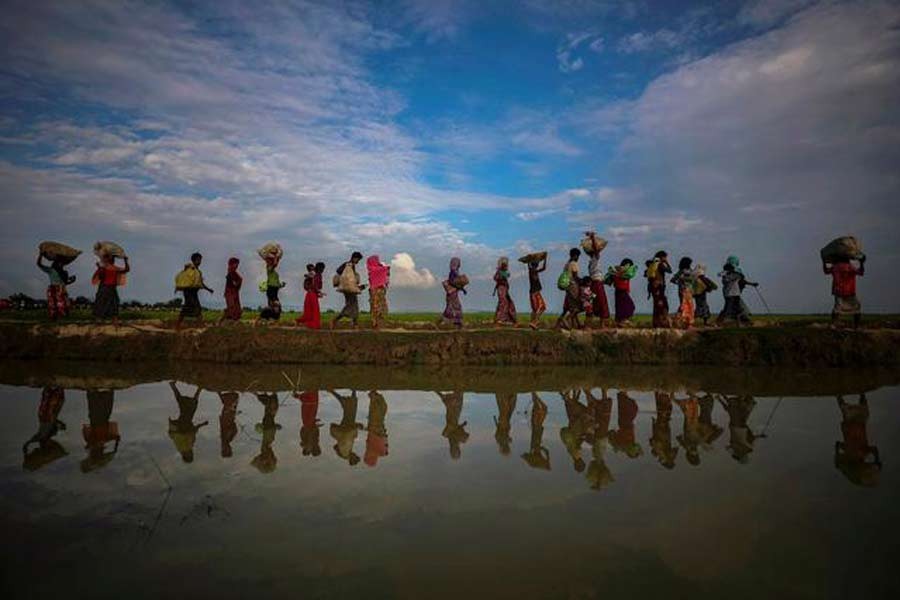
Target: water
{"x":459,"y":494}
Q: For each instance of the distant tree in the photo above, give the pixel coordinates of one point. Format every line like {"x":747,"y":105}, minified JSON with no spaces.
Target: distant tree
{"x":82,"y":301}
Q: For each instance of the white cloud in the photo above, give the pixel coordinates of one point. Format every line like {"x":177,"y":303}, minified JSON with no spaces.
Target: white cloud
{"x":566,"y":50}
{"x":763,"y":13}
{"x":405,"y":275}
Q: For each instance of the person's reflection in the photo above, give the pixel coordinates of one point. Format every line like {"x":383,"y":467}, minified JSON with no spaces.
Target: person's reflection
{"x":228,"y":421}
{"x":309,"y":422}
{"x":266,"y":461}
{"x":537,"y":456}
{"x":506,"y":406}
{"x":49,"y":424}
{"x":691,"y":436}
{"x":624,"y":439}
{"x":742,"y":437}
{"x":183,"y":431}
{"x":709,"y":431}
{"x":345,"y":432}
{"x":99,"y":430}
{"x":850,"y":456}
{"x":661,"y":440}
{"x":598,"y":473}
{"x":454,"y":431}
{"x":376,"y":439}
{"x":577,"y":431}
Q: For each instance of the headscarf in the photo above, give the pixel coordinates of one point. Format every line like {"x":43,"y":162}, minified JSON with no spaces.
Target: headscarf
{"x":455,"y":265}
{"x":503,"y":266}
{"x":735,"y":262}
{"x":378,"y":272}
{"x":233,"y":263}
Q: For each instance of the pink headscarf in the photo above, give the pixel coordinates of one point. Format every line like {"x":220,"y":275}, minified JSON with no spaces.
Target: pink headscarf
{"x":378,"y":273}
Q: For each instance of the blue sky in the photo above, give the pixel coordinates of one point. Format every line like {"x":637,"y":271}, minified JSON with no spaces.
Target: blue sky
{"x":420,"y":130}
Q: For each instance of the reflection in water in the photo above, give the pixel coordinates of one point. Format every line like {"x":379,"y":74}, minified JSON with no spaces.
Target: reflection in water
{"x":690,"y":438}
{"x":598,"y":473}
{"x":578,"y":430}
{"x":537,"y":456}
{"x":624,"y":439}
{"x":49,"y":424}
{"x":376,"y":440}
{"x":345,"y":432}
{"x":309,"y":422}
{"x":228,"y":421}
{"x":99,"y":430}
{"x":851,"y":454}
{"x":506,"y":406}
{"x":454,"y":431}
{"x":742,"y":437}
{"x":182,"y":430}
{"x":266,"y":461}
{"x":661,"y":440}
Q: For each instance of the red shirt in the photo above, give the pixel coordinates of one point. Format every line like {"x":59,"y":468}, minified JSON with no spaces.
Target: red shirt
{"x":620,"y":283}
{"x":843,"y":284}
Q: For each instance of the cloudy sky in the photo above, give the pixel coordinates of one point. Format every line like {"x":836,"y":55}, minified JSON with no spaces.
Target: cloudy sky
{"x":423,"y":129}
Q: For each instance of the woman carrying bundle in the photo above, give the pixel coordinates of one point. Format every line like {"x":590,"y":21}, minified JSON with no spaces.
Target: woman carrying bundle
{"x":506,"y":308}
{"x":620,"y":278}
{"x":233,"y":282}
{"x":108,"y":277}
{"x":569,"y":281}
{"x":684,"y":279}
{"x":57,"y":295}
{"x":379,"y":278}
{"x":656,"y":272}
{"x":453,"y":285}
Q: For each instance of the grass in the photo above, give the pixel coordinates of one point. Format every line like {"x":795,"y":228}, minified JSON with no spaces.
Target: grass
{"x":410,"y":319}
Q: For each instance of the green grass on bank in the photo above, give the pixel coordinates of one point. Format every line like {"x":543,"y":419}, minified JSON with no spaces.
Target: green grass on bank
{"x":411,"y":319}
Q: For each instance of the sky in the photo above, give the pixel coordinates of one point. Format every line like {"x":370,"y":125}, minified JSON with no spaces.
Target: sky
{"x":419,"y":130}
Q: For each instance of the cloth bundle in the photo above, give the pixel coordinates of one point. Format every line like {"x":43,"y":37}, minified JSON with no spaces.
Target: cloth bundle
{"x":597,"y":244}
{"x":533,"y":257}
{"x":109,"y":248}
{"x":842,"y":248}
{"x":58,"y":252}
{"x":188,"y":278}
{"x":271,"y":251}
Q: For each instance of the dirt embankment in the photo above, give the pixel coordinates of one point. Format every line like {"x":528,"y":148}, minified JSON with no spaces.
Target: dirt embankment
{"x":761,"y":346}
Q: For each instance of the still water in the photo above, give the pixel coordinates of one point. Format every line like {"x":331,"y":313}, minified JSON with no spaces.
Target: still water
{"x":506,"y":483}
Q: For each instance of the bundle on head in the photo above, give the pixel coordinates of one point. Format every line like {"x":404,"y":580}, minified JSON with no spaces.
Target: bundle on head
{"x":593,"y":245}
{"x":842,"y":248}
{"x":58,"y":252}
{"x":271,"y":252}
{"x":108,"y":249}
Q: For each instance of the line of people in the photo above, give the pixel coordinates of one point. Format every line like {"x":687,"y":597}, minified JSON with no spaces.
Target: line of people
{"x":582,"y":294}
{"x":588,"y":423}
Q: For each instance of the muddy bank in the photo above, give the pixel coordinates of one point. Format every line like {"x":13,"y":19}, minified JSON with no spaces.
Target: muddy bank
{"x":754,"y":381}
{"x":245,"y":344}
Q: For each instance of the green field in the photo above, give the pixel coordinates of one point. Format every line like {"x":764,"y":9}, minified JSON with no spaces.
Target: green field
{"x":411,"y":319}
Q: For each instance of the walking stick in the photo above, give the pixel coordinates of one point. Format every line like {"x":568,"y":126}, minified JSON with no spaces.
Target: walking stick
{"x":766,"y":304}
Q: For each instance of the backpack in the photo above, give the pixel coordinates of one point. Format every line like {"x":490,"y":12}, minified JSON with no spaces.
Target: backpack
{"x":564,"y":280}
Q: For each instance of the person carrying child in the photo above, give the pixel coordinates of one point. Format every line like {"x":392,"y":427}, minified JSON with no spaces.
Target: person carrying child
{"x":620,"y":278}
{"x":656,"y":272}
{"x":684,"y":279}
{"x":843,"y":287}
{"x":505,"y":314}
{"x":348,"y":284}
{"x":312,"y":285}
{"x":569,"y":281}
{"x":538,"y":305}
{"x":733,"y":283}
{"x":599,"y":304}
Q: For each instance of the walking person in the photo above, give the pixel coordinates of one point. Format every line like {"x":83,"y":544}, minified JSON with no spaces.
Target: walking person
{"x":454,"y":284}
{"x":272,"y":286}
{"x":620,"y":278}
{"x":684,"y":279}
{"x":733,"y":283}
{"x":233,"y":283}
{"x":379,"y":279}
{"x":569,"y":281}
{"x":702,"y":286}
{"x":536,"y":299}
{"x":599,"y":303}
{"x":108,"y":278}
{"x":312,"y":314}
{"x":189,"y":282}
{"x":843,"y":288}
{"x":57,"y":295}
{"x":506,"y":308}
{"x":348,"y":284}
{"x":656,"y":272}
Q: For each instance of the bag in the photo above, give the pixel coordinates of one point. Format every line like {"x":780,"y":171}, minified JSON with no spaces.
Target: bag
{"x":652,"y":269}
{"x":460,"y":281}
{"x":842,"y":248}
{"x":110,"y":248}
{"x":336,"y":280}
{"x":533,"y":257}
{"x":264,"y":286}
{"x":564,"y":280}
{"x":58,"y":252}
{"x":699,"y":286}
{"x":188,"y":278}
{"x":596,"y":245}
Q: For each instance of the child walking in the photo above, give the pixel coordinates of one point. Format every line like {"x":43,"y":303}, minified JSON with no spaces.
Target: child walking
{"x":538,"y":305}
